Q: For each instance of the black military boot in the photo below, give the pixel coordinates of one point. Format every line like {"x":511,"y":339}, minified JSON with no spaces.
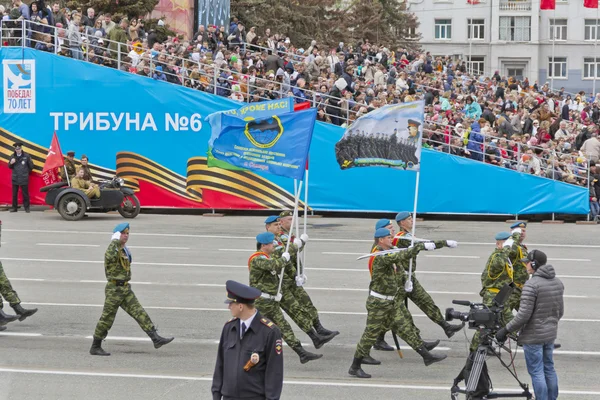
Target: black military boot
{"x":319,"y":340}
{"x":306,"y":356}
{"x":5,"y":318}
{"x":97,"y":349}
{"x":370,"y":361}
{"x":430,"y":345}
{"x":23,"y":312}
{"x":450,"y":329}
{"x":429,"y":358}
{"x":381,"y":344}
{"x":322,"y":331}
{"x":356,"y":370}
{"x":158,"y":340}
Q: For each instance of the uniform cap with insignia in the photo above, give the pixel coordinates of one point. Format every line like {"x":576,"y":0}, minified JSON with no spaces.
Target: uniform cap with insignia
{"x":502,"y":235}
{"x":413,"y":122}
{"x":121,"y":227}
{"x":240,"y":293}
{"x":519,"y":224}
{"x":18,"y":144}
{"x":382,"y":223}
{"x":270,"y":219}
{"x":382,"y":232}
{"x":265,"y":238}
{"x":402,"y":215}
{"x":286,"y":213}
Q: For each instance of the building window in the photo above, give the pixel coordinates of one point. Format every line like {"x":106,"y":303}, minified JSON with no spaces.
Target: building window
{"x":476,"y":29}
{"x":557,"y":67}
{"x":591,"y":29}
{"x":411,"y":33}
{"x":515,"y":29}
{"x":558,"y":29}
{"x":591,"y":68}
{"x":476,"y":65}
{"x":443,"y":29}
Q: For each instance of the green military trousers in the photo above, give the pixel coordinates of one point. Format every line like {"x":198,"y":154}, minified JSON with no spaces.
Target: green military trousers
{"x":272,"y":310}
{"x":121,"y":296}
{"x":6,"y":290}
{"x":306,"y":303}
{"x":292,"y":307}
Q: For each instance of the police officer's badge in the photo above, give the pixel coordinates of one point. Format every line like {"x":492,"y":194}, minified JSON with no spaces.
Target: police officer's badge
{"x":278,"y":346}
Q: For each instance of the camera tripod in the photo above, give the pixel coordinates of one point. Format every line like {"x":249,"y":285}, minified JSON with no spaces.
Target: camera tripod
{"x":477,"y":367}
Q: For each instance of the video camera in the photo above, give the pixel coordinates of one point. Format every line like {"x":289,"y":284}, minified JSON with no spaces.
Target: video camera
{"x":481,"y":316}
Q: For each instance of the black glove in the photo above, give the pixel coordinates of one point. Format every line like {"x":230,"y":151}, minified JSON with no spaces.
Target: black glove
{"x":501,"y":335}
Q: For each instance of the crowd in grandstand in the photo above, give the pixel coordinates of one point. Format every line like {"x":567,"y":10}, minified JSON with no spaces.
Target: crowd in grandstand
{"x":500,"y":120}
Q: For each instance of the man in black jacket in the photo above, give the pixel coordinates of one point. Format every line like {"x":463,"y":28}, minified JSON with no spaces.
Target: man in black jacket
{"x":541,"y":308}
{"x":22,"y":165}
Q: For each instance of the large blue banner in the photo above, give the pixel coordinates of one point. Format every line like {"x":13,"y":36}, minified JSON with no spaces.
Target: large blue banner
{"x":154,"y":134}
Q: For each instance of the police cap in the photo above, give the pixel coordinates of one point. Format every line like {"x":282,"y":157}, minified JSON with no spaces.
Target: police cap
{"x":519,"y":224}
{"x":382,"y":232}
{"x":265,"y":238}
{"x":18,"y":144}
{"x":270,"y":219}
{"x":402,"y":215}
{"x":382,"y":223}
{"x":502,"y":235}
{"x":121,"y":227}
{"x":240,"y":293}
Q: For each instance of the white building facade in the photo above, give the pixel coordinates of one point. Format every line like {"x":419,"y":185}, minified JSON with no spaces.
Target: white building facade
{"x":516,"y":38}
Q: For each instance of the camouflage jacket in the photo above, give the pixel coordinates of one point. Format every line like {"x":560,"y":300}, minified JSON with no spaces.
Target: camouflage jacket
{"x":117,"y":262}
{"x":517,"y":252}
{"x":289,"y":274}
{"x":498,"y":270}
{"x":403,"y":239}
{"x":265,"y":270}
{"x":384,"y":274}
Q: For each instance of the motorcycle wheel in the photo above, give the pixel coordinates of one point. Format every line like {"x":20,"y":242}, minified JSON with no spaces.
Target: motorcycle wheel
{"x":130,"y":207}
{"x":71,"y":207}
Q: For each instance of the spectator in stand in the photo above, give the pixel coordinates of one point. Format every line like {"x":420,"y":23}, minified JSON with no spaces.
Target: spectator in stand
{"x":58,"y":15}
{"x":74,"y":37}
{"x":118,"y":35}
{"x":89,"y":20}
{"x":108,"y":24}
{"x":591,"y":148}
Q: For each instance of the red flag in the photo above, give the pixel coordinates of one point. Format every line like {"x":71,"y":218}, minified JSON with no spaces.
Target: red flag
{"x":302,"y":106}
{"x":473,"y":2}
{"x":54,"y":160}
{"x":590,"y":3}
{"x":548,"y":4}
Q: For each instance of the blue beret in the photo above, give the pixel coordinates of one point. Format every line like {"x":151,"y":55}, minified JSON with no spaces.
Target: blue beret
{"x":519,"y":224}
{"x":265,"y":238}
{"x":382,"y":223}
{"x":240,"y":293}
{"x":121,"y":227}
{"x":270,"y":219}
{"x":382,"y":232}
{"x":502,"y":235}
{"x":402,"y":215}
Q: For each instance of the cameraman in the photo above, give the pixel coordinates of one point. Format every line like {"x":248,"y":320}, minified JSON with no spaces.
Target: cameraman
{"x":540,"y":310}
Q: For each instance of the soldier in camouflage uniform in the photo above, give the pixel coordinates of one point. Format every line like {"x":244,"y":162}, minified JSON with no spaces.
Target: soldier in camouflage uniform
{"x":498,"y":272}
{"x":518,"y":252}
{"x":264,"y":275}
{"x":8,"y":293}
{"x":419,"y":295}
{"x":118,"y":293}
{"x":298,"y":291}
{"x":382,"y":306}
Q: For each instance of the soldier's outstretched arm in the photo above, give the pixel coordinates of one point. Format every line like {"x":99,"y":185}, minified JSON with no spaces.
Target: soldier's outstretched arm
{"x":411,"y":252}
{"x":274,"y":371}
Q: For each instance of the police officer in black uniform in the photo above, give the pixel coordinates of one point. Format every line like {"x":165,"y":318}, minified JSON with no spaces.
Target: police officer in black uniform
{"x":250,"y":358}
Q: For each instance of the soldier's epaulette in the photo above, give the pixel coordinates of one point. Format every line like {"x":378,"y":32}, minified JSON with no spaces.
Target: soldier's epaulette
{"x":231,"y":320}
{"x":267,"y":322}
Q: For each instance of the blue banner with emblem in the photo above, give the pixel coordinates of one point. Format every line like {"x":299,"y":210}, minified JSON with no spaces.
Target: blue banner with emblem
{"x":277,"y":145}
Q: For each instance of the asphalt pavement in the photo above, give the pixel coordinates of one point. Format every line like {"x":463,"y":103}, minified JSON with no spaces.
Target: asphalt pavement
{"x":180,"y":265}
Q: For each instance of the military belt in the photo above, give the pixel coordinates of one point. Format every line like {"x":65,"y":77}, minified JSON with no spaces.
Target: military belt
{"x":493,"y":290}
{"x":119,"y":283}
{"x":381,"y":296}
{"x":267,"y":296}
{"x":518,"y":285}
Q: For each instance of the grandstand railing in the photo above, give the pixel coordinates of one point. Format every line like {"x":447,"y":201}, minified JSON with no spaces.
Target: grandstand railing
{"x":211,"y":78}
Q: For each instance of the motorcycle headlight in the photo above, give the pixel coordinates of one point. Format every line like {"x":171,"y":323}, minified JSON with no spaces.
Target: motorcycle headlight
{"x":120,"y":181}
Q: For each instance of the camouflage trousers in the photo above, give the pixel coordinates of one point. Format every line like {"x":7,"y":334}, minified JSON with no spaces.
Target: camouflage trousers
{"x":382,"y":315}
{"x":272,"y":310}
{"x":514,"y":301}
{"x":121,"y":296}
{"x":507,"y":316}
{"x":6,"y":290}
{"x":306,"y":303}
{"x":292,"y":307}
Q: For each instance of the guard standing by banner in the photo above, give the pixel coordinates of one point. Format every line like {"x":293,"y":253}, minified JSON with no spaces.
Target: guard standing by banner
{"x":250,"y":357}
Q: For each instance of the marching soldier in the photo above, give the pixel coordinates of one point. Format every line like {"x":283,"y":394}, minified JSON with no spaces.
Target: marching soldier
{"x":9,"y":294}
{"x":118,"y":293}
{"x":498,"y":272}
{"x":419,"y":295}
{"x":250,"y":357}
{"x":382,"y":306}
{"x":264,"y":275}
{"x":69,"y":165}
{"x":298,"y":291}
{"x":518,"y":252}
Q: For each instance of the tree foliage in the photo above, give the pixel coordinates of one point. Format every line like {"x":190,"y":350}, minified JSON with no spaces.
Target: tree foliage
{"x":329,"y":22}
{"x":127,"y":8}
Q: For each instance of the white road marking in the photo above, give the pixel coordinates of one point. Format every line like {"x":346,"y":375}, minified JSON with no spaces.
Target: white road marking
{"x":20,"y":334}
{"x":124,"y":338}
{"x":241,"y":250}
{"x":68,"y":244}
{"x":328,"y":383}
{"x":341,"y":253}
{"x":576,"y":246}
{"x":570,"y":259}
{"x":158,"y":248}
{"x":447,"y":256}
